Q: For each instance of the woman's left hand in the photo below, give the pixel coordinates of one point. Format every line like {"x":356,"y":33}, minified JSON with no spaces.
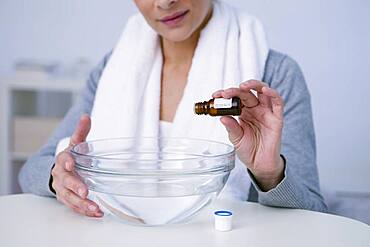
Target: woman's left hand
{"x":257,"y":135}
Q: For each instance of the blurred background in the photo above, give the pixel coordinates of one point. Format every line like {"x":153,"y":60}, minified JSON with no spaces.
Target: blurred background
{"x":48,"y":47}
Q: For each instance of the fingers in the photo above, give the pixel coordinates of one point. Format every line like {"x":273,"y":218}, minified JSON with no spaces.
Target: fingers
{"x":247,"y":97}
{"x":231,"y":92}
{"x":257,"y":86}
{"x":217,"y":94}
{"x":253,"y":85}
{"x":81,"y":131}
{"x":265,"y":101}
{"x":69,"y":188}
{"x":65,"y":160}
{"x":74,"y":184}
{"x":276,"y":101}
{"x":71,"y":191}
{"x":244,"y":93}
{"x":233,"y":128}
{"x":79,"y":205}
{"x":267,"y":97}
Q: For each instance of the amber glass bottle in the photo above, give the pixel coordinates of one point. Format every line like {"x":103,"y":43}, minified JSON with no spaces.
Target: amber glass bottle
{"x":219,"y":107}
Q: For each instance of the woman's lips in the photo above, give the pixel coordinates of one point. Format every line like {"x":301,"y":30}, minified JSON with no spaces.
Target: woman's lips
{"x":176,"y":18}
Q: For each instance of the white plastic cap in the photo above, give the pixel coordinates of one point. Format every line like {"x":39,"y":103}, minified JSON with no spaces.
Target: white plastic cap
{"x":223,"y":220}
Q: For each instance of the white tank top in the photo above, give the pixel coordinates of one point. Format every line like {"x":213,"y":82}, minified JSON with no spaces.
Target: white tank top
{"x":165,"y":128}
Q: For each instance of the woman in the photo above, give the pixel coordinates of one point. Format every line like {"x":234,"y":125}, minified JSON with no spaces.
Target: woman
{"x":279,"y":156}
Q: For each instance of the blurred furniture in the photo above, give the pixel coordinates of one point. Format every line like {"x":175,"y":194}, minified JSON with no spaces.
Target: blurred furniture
{"x":23,"y":135}
{"x":39,"y":221}
{"x":355,"y":205}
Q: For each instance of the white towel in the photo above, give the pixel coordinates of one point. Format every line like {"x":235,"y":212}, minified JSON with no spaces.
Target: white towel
{"x":232,"y":48}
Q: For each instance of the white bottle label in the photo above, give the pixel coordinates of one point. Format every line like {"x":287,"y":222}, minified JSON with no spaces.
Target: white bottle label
{"x":220,"y":103}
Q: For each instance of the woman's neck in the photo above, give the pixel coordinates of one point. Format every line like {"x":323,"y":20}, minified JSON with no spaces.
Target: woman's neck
{"x":183,"y":51}
{"x":179,"y":52}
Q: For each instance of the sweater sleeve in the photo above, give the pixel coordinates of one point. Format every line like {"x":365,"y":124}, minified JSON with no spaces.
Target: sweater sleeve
{"x":34,"y":176}
{"x":300,"y":185}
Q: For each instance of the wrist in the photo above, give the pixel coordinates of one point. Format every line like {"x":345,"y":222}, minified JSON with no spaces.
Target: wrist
{"x":268,"y":181}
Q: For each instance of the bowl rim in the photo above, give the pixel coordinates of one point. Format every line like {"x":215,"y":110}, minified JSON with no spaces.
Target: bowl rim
{"x":146,"y":171}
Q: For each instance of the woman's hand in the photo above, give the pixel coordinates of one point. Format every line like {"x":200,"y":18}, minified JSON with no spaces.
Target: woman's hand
{"x":69,"y":188}
{"x":257,"y":135}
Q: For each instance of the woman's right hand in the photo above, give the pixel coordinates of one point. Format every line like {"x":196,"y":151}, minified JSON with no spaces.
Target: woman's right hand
{"x":68,"y":186}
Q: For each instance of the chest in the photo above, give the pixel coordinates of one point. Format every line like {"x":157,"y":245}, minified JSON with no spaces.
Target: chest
{"x":173,"y":83}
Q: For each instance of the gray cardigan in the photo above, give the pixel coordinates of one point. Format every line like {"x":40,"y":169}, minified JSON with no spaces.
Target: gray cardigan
{"x":298,"y":189}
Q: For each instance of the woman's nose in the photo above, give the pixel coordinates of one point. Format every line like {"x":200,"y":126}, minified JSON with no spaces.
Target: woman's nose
{"x":166,"y":4}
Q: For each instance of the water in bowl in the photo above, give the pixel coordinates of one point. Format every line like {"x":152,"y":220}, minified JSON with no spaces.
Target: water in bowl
{"x":151,"y":210}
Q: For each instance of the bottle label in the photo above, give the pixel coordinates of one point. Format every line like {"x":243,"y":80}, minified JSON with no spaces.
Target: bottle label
{"x":220,"y":103}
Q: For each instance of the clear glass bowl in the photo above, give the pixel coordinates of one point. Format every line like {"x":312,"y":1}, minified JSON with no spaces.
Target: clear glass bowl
{"x":153,"y":181}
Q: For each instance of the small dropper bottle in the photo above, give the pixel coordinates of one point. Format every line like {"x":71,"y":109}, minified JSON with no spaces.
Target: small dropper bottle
{"x":219,"y":107}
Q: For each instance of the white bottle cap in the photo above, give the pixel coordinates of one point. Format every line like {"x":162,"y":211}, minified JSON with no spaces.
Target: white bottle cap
{"x":223,"y":220}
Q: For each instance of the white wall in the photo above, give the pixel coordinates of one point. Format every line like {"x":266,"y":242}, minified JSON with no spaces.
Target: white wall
{"x":59,"y":30}
{"x":330,"y":40}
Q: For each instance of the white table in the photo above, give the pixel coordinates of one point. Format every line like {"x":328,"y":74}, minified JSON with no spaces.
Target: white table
{"x":27,"y":220}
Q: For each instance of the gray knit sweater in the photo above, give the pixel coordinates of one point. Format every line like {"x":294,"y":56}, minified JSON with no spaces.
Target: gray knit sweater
{"x":298,"y":189}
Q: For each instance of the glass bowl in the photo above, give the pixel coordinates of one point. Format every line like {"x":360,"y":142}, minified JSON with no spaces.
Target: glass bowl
{"x":153,"y":181}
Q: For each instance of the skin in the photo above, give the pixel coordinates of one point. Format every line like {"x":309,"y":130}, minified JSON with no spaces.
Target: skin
{"x":178,"y":44}
{"x":69,"y":188}
{"x":256,"y":135}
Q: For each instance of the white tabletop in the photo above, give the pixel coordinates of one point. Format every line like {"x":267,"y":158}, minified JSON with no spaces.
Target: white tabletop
{"x":27,"y":220}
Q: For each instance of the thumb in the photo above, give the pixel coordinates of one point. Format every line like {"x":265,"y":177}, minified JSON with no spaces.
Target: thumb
{"x":233,"y":128}
{"x":82,"y":130}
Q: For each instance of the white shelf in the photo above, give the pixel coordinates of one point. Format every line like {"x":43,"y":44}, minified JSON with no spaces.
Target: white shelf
{"x":30,"y":83}
{"x":40,"y":84}
{"x":17,"y":156}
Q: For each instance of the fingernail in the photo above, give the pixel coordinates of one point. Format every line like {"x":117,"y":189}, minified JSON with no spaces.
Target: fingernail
{"x":81,"y":192}
{"x":99,"y":214}
{"x":92,"y":208}
{"x":69,"y":165}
